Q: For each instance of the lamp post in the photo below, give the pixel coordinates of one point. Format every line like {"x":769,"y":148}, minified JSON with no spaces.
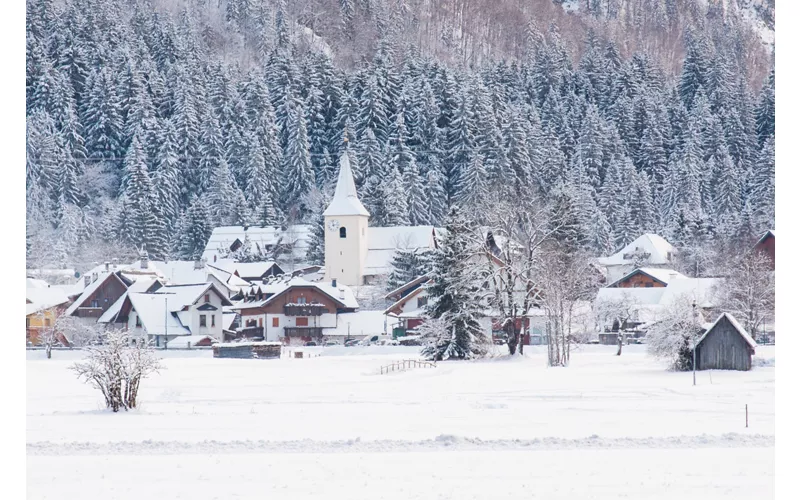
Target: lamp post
{"x":694,"y":349}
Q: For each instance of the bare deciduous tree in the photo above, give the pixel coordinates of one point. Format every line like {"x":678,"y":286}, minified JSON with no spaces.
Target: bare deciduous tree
{"x":566,"y":279}
{"x":748,"y":292}
{"x":620,"y":310}
{"x":117,"y":368}
{"x":519,"y":228}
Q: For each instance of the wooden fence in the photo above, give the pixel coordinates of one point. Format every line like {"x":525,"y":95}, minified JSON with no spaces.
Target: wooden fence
{"x":406,"y":364}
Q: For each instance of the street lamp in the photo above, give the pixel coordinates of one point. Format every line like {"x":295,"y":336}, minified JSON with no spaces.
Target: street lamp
{"x":694,"y":349}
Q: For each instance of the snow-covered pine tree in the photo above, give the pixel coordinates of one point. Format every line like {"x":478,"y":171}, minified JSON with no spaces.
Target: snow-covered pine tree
{"x":407,"y":265}
{"x":298,"y":174}
{"x":418,"y":203}
{"x":395,"y":204}
{"x":195,"y":230}
{"x":453,"y":298}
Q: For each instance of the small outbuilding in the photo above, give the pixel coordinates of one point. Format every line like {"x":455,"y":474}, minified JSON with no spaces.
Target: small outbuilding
{"x":725,"y":346}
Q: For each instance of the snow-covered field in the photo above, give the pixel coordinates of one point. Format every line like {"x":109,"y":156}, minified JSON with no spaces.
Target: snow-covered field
{"x":606,"y":427}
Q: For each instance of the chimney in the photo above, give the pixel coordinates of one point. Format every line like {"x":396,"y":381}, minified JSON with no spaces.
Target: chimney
{"x":198,"y":264}
{"x":143,"y":263}
{"x":215,"y":258}
{"x":87,"y":280}
{"x":94,"y":277}
{"x":333,"y":282}
{"x":114,"y":262}
{"x":107,"y":264}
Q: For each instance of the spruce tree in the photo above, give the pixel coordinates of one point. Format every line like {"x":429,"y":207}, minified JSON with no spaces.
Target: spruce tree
{"x":452,"y":297}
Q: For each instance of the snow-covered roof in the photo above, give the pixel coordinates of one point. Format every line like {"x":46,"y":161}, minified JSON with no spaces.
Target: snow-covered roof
{"x":660,"y":250}
{"x":153,"y":316}
{"x":701,"y":290}
{"x":90,"y":289}
{"x":345,"y":199}
{"x":399,"y":290}
{"x":180,"y":296}
{"x":228,"y":319}
{"x":383,"y":242}
{"x":245,"y":269}
{"x":738,"y":327}
{"x":639,"y":296}
{"x":43,"y":297}
{"x":663,"y":275}
{"x":401,"y":301}
{"x":187,"y":340}
{"x":139,"y":286}
{"x":274,"y":287}
{"x":360,"y":323}
{"x":264,"y":237}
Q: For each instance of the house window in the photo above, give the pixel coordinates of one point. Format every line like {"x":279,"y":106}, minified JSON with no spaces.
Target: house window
{"x":421,"y":301}
{"x":47,"y":322}
{"x":95,"y":303}
{"x":208,"y":298}
{"x":342,"y":232}
{"x":302,"y":321}
{"x":202,"y":320}
{"x":301,"y":300}
{"x":138,"y":321}
{"x":213,"y":320}
{"x":250,"y":323}
{"x":275,"y":322}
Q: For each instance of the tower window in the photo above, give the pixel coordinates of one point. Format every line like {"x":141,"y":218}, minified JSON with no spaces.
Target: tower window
{"x":342,"y":232}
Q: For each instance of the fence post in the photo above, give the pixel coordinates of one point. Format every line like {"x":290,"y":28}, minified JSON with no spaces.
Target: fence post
{"x":746,"y":417}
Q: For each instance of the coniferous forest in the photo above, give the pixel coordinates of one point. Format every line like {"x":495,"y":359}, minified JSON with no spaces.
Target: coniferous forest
{"x":149,"y":123}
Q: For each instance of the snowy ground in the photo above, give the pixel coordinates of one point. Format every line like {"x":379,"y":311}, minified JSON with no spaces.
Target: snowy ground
{"x":605,"y":427}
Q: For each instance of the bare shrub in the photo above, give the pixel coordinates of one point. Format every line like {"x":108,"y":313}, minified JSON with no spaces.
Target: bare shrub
{"x":117,"y":368}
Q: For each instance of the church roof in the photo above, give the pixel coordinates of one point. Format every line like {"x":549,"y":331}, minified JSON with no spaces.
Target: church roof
{"x":345,"y":199}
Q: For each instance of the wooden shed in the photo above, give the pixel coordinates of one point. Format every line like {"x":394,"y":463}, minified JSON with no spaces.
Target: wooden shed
{"x":725,"y":346}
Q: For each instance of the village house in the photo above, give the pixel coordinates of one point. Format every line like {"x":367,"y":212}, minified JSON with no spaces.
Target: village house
{"x":44,"y":303}
{"x":648,"y":250}
{"x":293,"y":310}
{"x":173,"y":311}
{"x":355,"y":253}
{"x":766,"y":245}
{"x":636,"y":300}
{"x":101,"y":291}
{"x":408,"y":305}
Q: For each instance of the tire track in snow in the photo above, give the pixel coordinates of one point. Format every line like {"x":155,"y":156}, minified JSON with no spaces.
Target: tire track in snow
{"x":440,"y":443}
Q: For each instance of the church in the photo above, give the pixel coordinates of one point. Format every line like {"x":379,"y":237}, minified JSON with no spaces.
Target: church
{"x":355,"y":253}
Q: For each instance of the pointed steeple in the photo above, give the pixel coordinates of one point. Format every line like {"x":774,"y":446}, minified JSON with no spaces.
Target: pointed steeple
{"x":345,"y":199}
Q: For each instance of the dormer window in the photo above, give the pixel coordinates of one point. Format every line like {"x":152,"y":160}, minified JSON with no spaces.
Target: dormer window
{"x":342,"y":232}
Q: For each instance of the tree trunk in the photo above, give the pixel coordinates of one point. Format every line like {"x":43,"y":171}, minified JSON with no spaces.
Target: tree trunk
{"x":512,"y":337}
{"x":619,"y":344}
{"x":48,"y":349}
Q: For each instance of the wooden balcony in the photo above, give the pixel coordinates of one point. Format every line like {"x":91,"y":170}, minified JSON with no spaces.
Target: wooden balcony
{"x":304,"y":310}
{"x":89,"y":312}
{"x":310,"y":331}
{"x":252,"y":331}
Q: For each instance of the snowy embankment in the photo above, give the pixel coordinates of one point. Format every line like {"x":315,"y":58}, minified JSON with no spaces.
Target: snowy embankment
{"x":296,"y":427}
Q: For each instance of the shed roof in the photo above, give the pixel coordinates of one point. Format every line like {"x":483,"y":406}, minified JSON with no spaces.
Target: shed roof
{"x":224,"y":236}
{"x":738,"y":327}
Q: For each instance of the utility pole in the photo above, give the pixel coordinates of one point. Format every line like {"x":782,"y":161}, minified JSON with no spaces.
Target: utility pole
{"x":166,"y":311}
{"x":694,"y":349}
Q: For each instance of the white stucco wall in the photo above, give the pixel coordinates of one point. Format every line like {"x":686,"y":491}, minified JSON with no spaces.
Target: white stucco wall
{"x":345,"y":257}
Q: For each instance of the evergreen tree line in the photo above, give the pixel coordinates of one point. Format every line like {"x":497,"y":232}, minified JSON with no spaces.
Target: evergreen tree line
{"x":142,"y":132}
